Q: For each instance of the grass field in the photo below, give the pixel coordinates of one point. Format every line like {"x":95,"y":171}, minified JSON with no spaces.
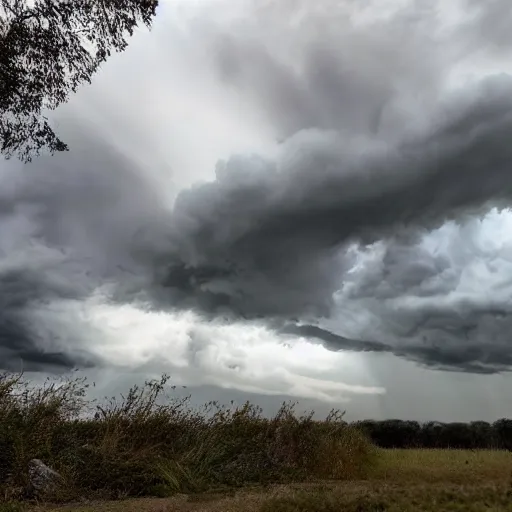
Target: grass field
{"x":221,"y":459}
{"x":401,"y":480}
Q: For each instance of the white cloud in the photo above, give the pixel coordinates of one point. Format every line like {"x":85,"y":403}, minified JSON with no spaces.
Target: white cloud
{"x":161,"y":103}
{"x":195,"y":351}
{"x":458,"y":276}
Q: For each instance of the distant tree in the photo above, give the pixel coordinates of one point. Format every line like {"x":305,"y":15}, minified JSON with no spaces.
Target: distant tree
{"x":483,"y":435}
{"x":411,"y":434}
{"x":503,"y":432}
{"x":47,"y":49}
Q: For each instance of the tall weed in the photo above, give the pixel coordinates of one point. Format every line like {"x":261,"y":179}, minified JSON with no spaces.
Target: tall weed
{"x":151,"y":442}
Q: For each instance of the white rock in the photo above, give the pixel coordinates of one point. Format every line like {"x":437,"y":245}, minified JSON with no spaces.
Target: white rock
{"x":42,"y":479}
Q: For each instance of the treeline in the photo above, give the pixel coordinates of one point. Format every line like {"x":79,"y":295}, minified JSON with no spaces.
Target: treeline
{"x":412,"y":434}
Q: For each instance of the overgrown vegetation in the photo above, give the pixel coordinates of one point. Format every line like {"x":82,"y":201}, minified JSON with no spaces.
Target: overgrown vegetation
{"x":151,"y":443}
{"x":403,"y":480}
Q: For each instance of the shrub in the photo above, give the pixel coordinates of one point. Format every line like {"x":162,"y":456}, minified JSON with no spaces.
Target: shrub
{"x":148,"y":442}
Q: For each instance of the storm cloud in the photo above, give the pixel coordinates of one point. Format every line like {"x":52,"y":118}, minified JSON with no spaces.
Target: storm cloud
{"x":71,"y":226}
{"x":266,"y":238}
{"x":376,"y":143}
{"x":332,"y":237}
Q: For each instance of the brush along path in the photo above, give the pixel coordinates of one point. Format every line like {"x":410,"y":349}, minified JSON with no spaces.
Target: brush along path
{"x":402,"y":480}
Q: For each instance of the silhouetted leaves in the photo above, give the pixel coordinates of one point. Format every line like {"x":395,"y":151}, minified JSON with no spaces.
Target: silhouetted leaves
{"x":47,"y":49}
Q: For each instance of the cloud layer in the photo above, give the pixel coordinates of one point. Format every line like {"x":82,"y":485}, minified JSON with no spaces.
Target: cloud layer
{"x":359,"y":230}
{"x":266,"y":238}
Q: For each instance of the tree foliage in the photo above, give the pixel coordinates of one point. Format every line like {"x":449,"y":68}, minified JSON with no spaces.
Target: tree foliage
{"x":47,"y":49}
{"x":433,"y":434}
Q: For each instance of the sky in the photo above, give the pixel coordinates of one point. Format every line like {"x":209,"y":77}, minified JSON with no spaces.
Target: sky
{"x":278,"y":200}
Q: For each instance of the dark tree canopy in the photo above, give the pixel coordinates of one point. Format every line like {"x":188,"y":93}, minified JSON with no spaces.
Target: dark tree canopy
{"x":433,"y":434}
{"x":47,"y":49}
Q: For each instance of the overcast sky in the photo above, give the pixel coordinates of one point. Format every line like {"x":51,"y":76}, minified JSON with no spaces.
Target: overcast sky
{"x":275,"y":200}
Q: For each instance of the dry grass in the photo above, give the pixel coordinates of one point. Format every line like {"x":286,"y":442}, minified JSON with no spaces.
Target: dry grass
{"x":402,"y":481}
{"x":149,"y":443}
{"x":443,"y":466}
{"x":440,"y":498}
{"x":356,"y":497}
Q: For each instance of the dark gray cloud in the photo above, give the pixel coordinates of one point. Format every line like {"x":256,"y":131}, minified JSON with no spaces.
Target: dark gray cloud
{"x":69,"y":225}
{"x":270,"y":239}
{"x":374,"y":148}
{"x":20,"y":345}
{"x":265,"y":237}
{"x":441,"y":299}
{"x":461,"y":356}
{"x":334,"y":67}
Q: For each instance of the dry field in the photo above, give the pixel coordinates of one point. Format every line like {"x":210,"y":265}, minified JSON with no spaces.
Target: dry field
{"x":401,"y":480}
